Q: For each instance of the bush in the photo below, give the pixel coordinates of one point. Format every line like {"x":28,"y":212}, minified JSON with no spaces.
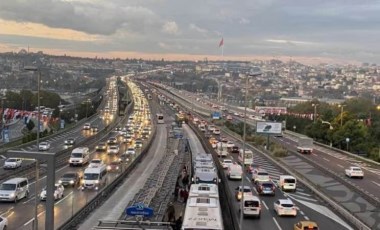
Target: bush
{"x":280,"y":152}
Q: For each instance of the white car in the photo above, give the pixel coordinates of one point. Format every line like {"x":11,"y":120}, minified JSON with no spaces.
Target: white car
{"x":130,"y":151}
{"x":260,"y":175}
{"x":113,"y":149}
{"x":87,"y":126}
{"x":58,"y":192}
{"x":12,"y":163}
{"x":3,"y":223}
{"x":94,"y":163}
{"x":226,"y":163}
{"x":285,"y":207}
{"x":216,"y":131}
{"x":354,"y":171}
{"x":43,"y":146}
{"x":230,"y":144}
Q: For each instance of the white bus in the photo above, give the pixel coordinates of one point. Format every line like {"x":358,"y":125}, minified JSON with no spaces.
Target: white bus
{"x":160,"y":118}
{"x":203,"y":208}
{"x":248,"y":158}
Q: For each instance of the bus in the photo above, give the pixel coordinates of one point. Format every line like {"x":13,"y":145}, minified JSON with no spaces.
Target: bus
{"x":160,"y":118}
{"x":248,"y":157}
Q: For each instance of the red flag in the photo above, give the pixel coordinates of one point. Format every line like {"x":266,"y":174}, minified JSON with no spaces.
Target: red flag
{"x":221,"y":43}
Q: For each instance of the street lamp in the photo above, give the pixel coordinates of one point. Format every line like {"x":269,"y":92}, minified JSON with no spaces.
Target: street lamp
{"x":331,"y":128}
{"x":294,"y":128}
{"x":244,"y":140}
{"x":35,"y":69}
{"x":315,"y":111}
{"x":341,"y":114}
{"x":347,"y":141}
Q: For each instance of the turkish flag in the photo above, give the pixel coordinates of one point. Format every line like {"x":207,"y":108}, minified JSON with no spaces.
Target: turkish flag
{"x":221,"y":43}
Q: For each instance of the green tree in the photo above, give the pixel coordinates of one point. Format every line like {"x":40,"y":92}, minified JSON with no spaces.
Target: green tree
{"x":357,"y":133}
{"x":30,"y":125}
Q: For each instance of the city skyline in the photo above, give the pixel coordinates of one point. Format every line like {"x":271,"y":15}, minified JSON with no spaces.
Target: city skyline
{"x":323,"y":31}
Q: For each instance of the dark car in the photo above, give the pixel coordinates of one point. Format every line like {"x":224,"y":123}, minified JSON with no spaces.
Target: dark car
{"x":265,"y":188}
{"x":101,"y":146}
{"x":112,"y":141}
{"x":235,"y":149}
{"x":94,"y":128}
{"x":70,"y":141}
{"x":70,"y":179}
{"x":114,"y":166}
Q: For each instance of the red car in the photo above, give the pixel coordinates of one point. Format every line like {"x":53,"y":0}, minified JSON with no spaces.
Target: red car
{"x":252,"y":167}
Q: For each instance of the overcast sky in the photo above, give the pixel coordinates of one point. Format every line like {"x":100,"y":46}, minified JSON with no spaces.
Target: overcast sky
{"x":334,"y":29}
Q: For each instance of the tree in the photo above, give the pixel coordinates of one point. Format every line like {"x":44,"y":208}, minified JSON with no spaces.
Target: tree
{"x":357,"y":133}
{"x":30,"y":125}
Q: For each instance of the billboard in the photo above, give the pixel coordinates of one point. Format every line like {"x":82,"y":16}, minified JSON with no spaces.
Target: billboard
{"x":270,"y":110}
{"x":264,"y":127}
{"x":216,"y":115}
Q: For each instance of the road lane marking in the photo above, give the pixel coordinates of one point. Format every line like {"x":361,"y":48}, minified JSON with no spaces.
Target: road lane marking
{"x":3,"y":213}
{"x":340,"y":165}
{"x":306,"y":218}
{"x":325,"y":159}
{"x":33,"y":218}
{"x":265,"y":205}
{"x":275,"y":221}
{"x":64,"y":198}
{"x":375,"y":183}
{"x":30,"y":199}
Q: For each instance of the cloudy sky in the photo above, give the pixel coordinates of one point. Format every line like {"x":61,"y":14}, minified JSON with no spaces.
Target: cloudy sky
{"x":325,"y":29}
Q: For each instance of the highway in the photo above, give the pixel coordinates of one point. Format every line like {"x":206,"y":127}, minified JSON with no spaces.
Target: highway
{"x":20,"y":215}
{"x":310,"y":208}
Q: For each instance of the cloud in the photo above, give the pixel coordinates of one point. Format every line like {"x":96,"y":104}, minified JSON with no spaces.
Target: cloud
{"x":170,"y":27}
{"x":289,"y":42}
{"x":244,"y":21}
{"x":197,"y":29}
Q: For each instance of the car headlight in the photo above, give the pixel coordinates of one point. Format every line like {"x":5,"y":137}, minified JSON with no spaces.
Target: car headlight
{"x":97,"y":182}
{"x":60,"y":182}
{"x":12,"y":194}
{"x":108,"y":167}
{"x":72,"y":182}
{"x":80,"y":161}
{"x":117,"y":167}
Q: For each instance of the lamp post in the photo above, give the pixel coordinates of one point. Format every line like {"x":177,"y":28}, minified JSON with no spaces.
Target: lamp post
{"x":331,"y":128}
{"x":35,"y":69}
{"x":341,"y":114}
{"x":347,"y":141}
{"x":315,"y":111}
{"x":244,"y":145}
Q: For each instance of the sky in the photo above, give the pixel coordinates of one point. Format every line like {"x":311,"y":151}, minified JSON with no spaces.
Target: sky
{"x":322,"y":30}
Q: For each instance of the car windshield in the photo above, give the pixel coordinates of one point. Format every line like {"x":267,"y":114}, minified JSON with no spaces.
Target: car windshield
{"x":287,"y":205}
{"x":131,"y":149}
{"x":267,"y":184}
{"x":262,"y":173}
{"x":246,"y":190}
{"x":290,"y":181}
{"x":96,"y":161}
{"x":8,"y":187}
{"x":357,"y":169}
{"x":113,"y":147}
{"x":91,"y":176}
{"x":42,"y":144}
{"x":11,"y":160}
{"x":77,"y":155}
{"x":69,"y":175}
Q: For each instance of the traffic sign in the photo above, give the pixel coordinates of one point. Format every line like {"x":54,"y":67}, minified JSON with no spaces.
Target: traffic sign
{"x":139,"y":210}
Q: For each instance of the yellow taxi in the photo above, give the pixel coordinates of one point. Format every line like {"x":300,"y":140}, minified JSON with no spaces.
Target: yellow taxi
{"x":306,"y":225}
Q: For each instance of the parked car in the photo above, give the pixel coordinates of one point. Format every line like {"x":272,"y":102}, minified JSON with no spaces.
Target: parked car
{"x":12,"y":163}
{"x":70,"y":179}
{"x":285,"y":207}
{"x":265,"y":188}
{"x":44,"y":146}
{"x":58,"y":192}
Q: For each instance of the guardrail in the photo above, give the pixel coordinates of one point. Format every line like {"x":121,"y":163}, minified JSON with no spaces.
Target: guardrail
{"x":104,"y":193}
{"x":294,"y":134}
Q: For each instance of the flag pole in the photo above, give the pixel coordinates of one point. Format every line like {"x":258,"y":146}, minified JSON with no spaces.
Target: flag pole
{"x":222,"y":51}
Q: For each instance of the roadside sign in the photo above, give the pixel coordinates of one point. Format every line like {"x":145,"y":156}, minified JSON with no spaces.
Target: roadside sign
{"x":62,"y":123}
{"x":139,"y":210}
{"x":264,"y":127}
{"x":216,"y":115}
{"x":6,"y":135}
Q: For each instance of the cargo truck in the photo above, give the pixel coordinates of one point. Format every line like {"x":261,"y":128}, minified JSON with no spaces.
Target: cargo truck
{"x":305,"y":145}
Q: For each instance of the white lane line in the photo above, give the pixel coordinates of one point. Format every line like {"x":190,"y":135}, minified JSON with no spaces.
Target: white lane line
{"x":265,"y":205}
{"x":325,"y":159}
{"x":3,"y":213}
{"x":275,"y":221}
{"x":33,"y":218}
{"x":375,"y":183}
{"x":306,"y":218}
{"x":64,"y":198}
{"x":339,"y":165}
{"x":45,"y":176}
{"x":28,"y":200}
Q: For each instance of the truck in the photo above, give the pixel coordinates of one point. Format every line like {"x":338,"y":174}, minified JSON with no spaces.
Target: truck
{"x":305,"y":145}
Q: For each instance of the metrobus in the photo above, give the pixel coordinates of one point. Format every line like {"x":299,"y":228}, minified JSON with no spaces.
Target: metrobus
{"x":160,"y":118}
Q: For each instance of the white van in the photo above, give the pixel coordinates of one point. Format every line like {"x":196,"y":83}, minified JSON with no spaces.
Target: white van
{"x":288,"y":183}
{"x":94,"y":177}
{"x":251,"y":206}
{"x":79,"y":156}
{"x":14,"y":189}
{"x":235,"y":171}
